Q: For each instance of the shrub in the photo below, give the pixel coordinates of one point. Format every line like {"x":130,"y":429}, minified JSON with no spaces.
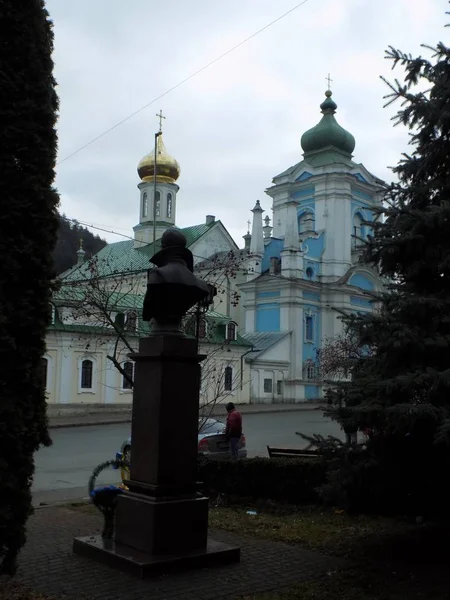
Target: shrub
{"x":294,"y":481}
{"x":393,"y":476}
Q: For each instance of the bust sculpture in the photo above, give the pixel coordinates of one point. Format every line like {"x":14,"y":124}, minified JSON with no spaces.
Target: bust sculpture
{"x":172,"y":287}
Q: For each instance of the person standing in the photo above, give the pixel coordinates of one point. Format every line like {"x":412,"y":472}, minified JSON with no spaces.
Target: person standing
{"x":233,"y":430}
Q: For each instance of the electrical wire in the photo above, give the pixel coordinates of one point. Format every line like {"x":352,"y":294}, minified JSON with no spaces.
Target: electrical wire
{"x":76,"y":221}
{"x":183,"y":81}
{"x":92,"y":226}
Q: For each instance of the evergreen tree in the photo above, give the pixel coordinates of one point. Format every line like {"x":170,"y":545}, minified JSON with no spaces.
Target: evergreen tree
{"x":401,"y":388}
{"x":28,"y":226}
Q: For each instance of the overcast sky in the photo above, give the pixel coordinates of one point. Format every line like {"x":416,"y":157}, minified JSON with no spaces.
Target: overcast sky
{"x":238,"y":123}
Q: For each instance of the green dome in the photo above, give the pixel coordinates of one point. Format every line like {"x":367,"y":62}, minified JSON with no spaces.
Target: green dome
{"x":328,"y":132}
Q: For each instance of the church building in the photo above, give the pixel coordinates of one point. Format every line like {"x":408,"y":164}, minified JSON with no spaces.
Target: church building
{"x":305,"y":270}
{"x":280,"y":298}
{"x":97,"y":311}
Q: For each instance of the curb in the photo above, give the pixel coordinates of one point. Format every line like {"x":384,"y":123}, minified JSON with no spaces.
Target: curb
{"x":62,"y":503}
{"x":89,"y":423}
{"x":123,"y":420}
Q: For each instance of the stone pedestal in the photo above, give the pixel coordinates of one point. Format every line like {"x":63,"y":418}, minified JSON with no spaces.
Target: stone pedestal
{"x":158,"y":526}
{"x":162,"y":521}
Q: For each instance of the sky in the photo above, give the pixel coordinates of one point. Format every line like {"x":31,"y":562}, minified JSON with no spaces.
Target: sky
{"x":236,"y":124}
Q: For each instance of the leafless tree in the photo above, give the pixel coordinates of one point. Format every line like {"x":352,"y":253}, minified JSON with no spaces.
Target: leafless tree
{"x":107,"y":309}
{"x":338,"y":355}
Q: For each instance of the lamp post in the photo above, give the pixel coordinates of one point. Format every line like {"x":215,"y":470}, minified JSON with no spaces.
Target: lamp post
{"x":154,"y":185}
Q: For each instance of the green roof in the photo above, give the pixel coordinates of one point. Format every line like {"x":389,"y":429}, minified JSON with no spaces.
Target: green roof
{"x":72,"y":294}
{"x":122,"y":257}
{"x":119,"y":302}
{"x":328,"y":133}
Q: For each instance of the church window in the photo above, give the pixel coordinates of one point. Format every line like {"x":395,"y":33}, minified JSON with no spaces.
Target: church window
{"x":202,"y":328}
{"x":158,"y":204}
{"x":86,"y":374}
{"x":131,"y":320}
{"x":43,"y":372}
{"x":231,"y":332}
{"x":127,"y":377}
{"x":306,"y":222}
{"x":357,"y":231}
{"x":267,"y":386}
{"x":309,"y":272}
{"x":228,"y":379}
{"x":144,"y":204}
{"x":309,"y":328}
{"x":309,"y":370}
{"x":169,"y":205}
{"x":190,"y":326}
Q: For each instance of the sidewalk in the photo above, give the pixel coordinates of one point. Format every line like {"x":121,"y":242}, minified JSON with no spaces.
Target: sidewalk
{"x":110,"y":418}
{"x":48,"y":565}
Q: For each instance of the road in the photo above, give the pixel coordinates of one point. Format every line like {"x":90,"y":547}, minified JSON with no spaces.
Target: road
{"x":63,"y":470}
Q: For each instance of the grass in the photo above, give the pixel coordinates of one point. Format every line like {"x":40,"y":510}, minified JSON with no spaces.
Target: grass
{"x":10,"y":590}
{"x":391,"y":559}
{"x":329,"y":532}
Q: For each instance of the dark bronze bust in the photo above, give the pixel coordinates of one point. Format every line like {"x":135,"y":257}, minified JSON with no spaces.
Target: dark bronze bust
{"x":172,"y":288}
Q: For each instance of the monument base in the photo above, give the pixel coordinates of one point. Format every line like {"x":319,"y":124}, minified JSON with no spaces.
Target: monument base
{"x":145,"y":565}
{"x":161,"y":526}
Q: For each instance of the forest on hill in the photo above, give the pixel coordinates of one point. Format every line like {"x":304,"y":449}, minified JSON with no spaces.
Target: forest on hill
{"x":69,"y":235}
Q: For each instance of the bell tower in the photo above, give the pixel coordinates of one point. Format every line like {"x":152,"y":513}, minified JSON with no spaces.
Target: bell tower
{"x":158,"y":192}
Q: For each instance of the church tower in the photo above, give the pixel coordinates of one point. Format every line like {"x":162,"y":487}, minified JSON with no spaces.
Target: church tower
{"x":307,"y":271}
{"x":328,"y":197}
{"x":162,"y":203}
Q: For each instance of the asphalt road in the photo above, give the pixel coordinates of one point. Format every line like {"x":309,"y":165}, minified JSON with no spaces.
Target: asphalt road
{"x":63,"y":470}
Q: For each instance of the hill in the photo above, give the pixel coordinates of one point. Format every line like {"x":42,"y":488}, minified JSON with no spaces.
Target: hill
{"x":69,"y":235}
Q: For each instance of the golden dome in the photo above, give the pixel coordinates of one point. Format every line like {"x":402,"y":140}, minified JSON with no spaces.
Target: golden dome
{"x":167,"y":168}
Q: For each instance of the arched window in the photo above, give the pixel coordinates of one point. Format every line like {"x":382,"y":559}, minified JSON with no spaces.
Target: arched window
{"x":190,"y":326}
{"x":309,"y":370}
{"x":169,"y":205}
{"x":131,"y":320}
{"x":158,"y":203}
{"x":357,"y":230}
{"x":128,"y":376}
{"x":309,"y":272}
{"x":309,"y":328}
{"x":86,"y":374}
{"x":43,"y":373}
{"x":306,"y":222}
{"x":228,"y":379}
{"x":231,"y":331}
{"x":144,"y":204}
{"x":202,"y":328}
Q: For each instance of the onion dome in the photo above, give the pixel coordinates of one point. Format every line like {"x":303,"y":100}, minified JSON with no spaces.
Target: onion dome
{"x":167,"y":168}
{"x":328,"y":132}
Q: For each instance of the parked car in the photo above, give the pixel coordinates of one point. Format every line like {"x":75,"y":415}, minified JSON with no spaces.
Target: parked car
{"x":212,"y":443}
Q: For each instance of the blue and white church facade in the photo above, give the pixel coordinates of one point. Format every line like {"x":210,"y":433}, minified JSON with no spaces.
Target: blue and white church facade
{"x":304,"y":270}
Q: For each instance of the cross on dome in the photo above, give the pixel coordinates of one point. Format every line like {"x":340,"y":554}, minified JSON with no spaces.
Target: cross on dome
{"x":160,"y":117}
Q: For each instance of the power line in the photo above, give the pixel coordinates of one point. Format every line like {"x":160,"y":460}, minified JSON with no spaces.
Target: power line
{"x":128,"y":237}
{"x":180,"y":83}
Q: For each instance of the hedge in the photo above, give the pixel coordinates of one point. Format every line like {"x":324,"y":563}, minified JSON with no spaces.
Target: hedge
{"x":293,"y":481}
